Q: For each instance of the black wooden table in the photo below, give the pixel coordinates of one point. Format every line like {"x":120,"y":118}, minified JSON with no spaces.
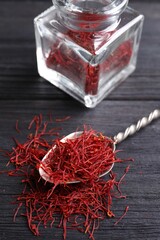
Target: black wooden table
{"x":23,"y":94}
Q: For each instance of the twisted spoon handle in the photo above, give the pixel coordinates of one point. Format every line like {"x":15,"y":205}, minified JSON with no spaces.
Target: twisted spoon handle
{"x":136,"y":127}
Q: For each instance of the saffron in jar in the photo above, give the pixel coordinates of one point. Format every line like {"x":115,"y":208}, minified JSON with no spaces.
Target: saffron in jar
{"x":87,"y":48}
{"x":68,"y":64}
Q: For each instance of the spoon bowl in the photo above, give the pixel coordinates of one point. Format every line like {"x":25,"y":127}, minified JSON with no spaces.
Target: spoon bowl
{"x":71,"y":136}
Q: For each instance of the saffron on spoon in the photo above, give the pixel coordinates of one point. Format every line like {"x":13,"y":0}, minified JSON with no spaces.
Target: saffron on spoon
{"x":85,"y":157}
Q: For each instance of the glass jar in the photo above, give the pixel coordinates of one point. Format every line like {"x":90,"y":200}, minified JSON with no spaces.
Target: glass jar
{"x":87,"y":48}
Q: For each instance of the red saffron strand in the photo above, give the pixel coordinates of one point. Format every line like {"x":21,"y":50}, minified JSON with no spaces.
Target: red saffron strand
{"x":17,"y":126}
{"x":63,"y":119}
{"x":17,"y":210}
{"x":124,"y":214}
{"x":79,"y":206}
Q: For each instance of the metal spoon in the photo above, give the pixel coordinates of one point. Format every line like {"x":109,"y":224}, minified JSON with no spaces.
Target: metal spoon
{"x":117,"y":139}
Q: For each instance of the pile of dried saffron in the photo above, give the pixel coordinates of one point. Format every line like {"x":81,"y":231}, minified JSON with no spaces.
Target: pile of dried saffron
{"x":84,"y":158}
{"x":78,"y":206}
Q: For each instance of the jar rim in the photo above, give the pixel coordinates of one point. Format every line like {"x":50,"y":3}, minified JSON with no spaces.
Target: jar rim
{"x":112,"y":8}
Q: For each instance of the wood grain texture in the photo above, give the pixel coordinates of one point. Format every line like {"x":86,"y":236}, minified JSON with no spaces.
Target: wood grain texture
{"x":23,"y":94}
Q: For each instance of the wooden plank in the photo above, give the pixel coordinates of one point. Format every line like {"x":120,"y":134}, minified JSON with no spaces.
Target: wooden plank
{"x":35,"y":87}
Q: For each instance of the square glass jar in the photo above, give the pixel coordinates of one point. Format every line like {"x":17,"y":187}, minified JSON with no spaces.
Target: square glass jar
{"x":87,"y":53}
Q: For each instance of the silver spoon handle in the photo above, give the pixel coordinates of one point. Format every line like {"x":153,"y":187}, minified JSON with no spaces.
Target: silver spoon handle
{"x":136,"y":127}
